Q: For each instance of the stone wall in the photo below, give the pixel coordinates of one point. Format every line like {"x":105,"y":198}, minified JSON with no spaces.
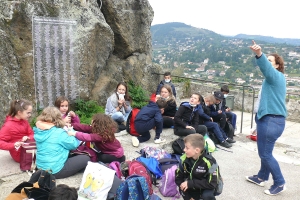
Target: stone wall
{"x":113,"y":44}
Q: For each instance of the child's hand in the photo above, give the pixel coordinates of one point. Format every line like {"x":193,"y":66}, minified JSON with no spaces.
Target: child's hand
{"x":18,"y":144}
{"x":227,"y":109}
{"x":189,"y":127}
{"x":211,"y":119}
{"x":219,"y":111}
{"x":67,"y":119}
{"x":25,"y":138}
{"x":184,"y":186}
{"x":72,"y":133}
{"x":72,"y":114}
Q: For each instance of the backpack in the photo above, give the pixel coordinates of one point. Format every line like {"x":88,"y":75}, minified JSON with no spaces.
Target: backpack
{"x":154,"y":152}
{"x":229,"y":130}
{"x":220,"y":183}
{"x":133,"y":188}
{"x":152,"y":165}
{"x":178,"y":146}
{"x":137,"y":168}
{"x":28,"y":156}
{"x":115,"y":165}
{"x":167,"y":186}
{"x":130,"y":122}
{"x":38,"y":187}
{"x":209,"y":144}
{"x":167,"y":163}
{"x":213,"y":137}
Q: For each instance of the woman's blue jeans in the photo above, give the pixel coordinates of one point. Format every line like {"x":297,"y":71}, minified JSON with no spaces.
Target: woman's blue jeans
{"x":269,"y":129}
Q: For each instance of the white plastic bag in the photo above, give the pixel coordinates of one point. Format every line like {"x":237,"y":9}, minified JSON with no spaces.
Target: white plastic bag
{"x":96,"y":182}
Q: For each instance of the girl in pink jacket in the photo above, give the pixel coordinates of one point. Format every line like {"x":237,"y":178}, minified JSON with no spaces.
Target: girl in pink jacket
{"x":16,"y":129}
{"x":102,"y":134}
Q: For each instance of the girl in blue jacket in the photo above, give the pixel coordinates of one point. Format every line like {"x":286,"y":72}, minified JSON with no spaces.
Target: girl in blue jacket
{"x":54,"y":144}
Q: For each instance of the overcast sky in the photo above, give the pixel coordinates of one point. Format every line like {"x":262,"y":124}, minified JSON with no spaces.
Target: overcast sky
{"x":277,"y":18}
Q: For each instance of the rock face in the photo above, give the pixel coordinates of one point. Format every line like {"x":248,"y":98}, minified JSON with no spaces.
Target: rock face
{"x":113,"y":44}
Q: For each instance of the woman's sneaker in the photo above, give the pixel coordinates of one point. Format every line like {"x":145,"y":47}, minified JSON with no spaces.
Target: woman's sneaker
{"x":135,"y":141}
{"x":159,"y":140}
{"x":274,"y":190}
{"x":254,"y":179}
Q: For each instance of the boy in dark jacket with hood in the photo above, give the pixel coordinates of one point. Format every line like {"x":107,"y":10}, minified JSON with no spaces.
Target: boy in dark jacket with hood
{"x":149,"y":116}
{"x":191,"y":177}
{"x":166,"y":81}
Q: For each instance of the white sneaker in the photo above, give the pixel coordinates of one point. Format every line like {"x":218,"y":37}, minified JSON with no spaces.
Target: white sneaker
{"x":135,"y":141}
{"x":159,"y":140}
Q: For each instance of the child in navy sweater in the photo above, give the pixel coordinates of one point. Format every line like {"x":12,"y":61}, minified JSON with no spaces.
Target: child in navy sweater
{"x":149,"y":116}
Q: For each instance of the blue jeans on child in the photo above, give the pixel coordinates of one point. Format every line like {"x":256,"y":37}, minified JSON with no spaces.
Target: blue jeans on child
{"x":269,"y":129}
{"x":119,"y":117}
{"x":216,"y":129}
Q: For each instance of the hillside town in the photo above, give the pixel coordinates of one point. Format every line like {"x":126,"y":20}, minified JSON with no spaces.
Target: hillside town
{"x":166,"y":54}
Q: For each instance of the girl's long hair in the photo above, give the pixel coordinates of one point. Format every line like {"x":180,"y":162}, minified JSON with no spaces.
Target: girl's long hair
{"x":104,"y":126}
{"x":51,"y":115}
{"x":127,"y":96}
{"x":171,"y":96}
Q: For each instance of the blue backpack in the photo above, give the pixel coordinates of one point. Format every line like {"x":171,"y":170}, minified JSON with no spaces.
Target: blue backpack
{"x":133,"y":188}
{"x":152,"y":165}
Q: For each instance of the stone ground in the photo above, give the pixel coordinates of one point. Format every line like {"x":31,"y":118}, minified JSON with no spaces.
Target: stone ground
{"x":234,"y":166}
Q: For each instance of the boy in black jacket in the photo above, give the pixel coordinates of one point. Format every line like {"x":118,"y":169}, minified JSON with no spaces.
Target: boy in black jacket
{"x":149,"y":116}
{"x":190,"y":176}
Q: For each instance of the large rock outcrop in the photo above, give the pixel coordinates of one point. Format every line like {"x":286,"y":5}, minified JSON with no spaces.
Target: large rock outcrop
{"x":113,"y":44}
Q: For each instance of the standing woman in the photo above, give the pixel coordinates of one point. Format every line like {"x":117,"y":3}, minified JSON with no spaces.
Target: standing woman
{"x":118,"y":104}
{"x":16,"y":129}
{"x":170,"y":110}
{"x":270,"y":119}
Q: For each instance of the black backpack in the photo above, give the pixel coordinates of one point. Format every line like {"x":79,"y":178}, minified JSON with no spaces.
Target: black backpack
{"x":178,"y":146}
{"x":229,"y":130}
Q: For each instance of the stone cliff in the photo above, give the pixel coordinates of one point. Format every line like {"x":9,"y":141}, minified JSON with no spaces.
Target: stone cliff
{"x":113,"y":44}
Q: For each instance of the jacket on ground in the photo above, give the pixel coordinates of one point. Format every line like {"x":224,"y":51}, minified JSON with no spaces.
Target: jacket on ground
{"x":53,"y":145}
{"x":13,"y":130}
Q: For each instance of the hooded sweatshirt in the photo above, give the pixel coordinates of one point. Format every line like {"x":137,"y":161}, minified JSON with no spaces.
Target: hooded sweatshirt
{"x":13,"y":130}
{"x":53,"y":145}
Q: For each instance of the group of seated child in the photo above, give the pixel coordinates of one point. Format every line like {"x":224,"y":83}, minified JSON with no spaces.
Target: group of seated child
{"x":199,"y":115}
{"x":58,"y":130}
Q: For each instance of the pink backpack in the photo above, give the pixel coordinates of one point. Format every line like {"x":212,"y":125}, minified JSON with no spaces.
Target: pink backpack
{"x":115,"y":165}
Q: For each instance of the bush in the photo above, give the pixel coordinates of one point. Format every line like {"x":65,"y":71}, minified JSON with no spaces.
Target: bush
{"x":86,"y":109}
{"x":139,"y":96}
